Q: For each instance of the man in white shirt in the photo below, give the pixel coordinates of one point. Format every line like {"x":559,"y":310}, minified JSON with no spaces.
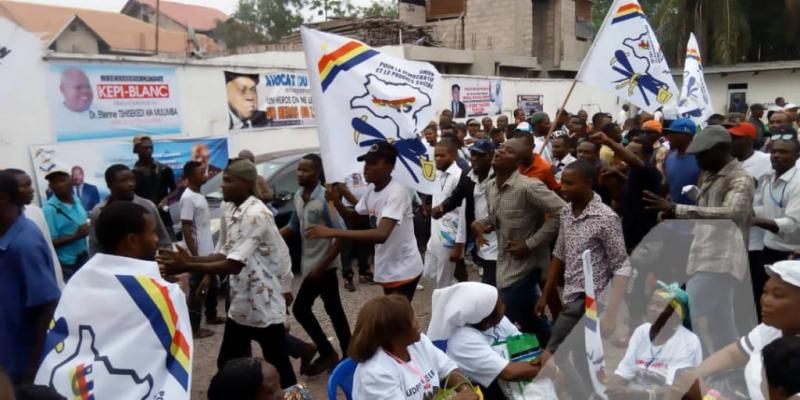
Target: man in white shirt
{"x":252,"y":251}
{"x":622,"y":116}
{"x":196,"y":227}
{"x":35,"y":214}
{"x":448,"y":233}
{"x":386,"y":206}
{"x":757,"y":164}
{"x":561,"y":155}
{"x":777,"y":202}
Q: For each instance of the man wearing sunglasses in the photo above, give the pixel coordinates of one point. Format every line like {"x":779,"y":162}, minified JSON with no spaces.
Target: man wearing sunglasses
{"x":777,"y":202}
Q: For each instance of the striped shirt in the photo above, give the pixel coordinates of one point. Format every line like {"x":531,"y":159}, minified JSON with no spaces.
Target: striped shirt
{"x":719,"y":247}
{"x":517,"y":211}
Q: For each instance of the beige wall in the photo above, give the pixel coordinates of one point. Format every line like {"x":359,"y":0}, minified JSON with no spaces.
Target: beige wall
{"x":413,"y":14}
{"x":500,"y":25}
{"x":448,"y":31}
{"x":77,"y":38}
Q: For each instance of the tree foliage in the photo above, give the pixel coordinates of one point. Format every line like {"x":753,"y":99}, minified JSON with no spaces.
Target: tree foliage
{"x":271,"y":18}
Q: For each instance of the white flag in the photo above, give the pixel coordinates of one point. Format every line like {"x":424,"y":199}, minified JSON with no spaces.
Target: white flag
{"x":595,"y":355}
{"x":626,"y":58}
{"x":119,"y":331}
{"x":695,"y":103}
{"x":363,"y":96}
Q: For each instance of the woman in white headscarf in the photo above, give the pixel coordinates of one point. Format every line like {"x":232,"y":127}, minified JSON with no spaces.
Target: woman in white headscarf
{"x":469,"y":315}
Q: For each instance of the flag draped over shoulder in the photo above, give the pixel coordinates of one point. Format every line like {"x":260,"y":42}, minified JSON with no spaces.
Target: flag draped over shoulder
{"x":627,"y":59}
{"x":595,"y":355}
{"x":363,"y":96}
{"x":695,"y":102}
{"x":119,"y":331}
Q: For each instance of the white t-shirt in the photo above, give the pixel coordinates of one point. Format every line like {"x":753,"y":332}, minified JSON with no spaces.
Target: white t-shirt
{"x":489,"y":251}
{"x":647,"y":365}
{"x":752,"y":344}
{"x":451,"y":228}
{"x":472,"y":351}
{"x":397,"y":259}
{"x":194,"y":207}
{"x":384,"y":378}
{"x":757,"y":166}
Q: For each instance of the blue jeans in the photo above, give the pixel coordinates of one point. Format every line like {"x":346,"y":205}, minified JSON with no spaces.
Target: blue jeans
{"x":520,"y":299}
{"x":711,"y":302}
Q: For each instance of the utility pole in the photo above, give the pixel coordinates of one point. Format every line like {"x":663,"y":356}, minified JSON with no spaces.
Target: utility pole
{"x":158,"y":7}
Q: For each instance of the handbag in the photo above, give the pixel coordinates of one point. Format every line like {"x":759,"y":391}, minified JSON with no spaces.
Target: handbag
{"x":523,"y":348}
{"x":446,"y":393}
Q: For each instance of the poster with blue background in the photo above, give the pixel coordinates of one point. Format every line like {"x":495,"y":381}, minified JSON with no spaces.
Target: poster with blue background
{"x":88,"y":167}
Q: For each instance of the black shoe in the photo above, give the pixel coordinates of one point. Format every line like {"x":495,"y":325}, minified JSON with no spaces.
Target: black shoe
{"x":348,"y":284}
{"x":322,"y":365}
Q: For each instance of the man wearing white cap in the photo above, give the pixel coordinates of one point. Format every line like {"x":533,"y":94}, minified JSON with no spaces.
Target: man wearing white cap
{"x":779,"y":307}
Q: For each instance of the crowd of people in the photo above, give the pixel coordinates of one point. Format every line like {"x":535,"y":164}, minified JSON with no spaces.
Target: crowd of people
{"x":681,"y":222}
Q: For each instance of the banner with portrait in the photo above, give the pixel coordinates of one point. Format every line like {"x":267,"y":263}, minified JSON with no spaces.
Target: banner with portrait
{"x":88,"y":167}
{"x":530,"y":103}
{"x":475,"y":97}
{"x":99,"y":101}
{"x":269,"y":99}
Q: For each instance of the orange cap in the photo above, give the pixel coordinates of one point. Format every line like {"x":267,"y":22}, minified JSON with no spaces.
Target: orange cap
{"x":743,"y":129}
{"x":653,"y":125}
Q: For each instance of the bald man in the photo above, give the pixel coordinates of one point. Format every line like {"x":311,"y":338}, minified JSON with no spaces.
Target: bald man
{"x":76,"y":89}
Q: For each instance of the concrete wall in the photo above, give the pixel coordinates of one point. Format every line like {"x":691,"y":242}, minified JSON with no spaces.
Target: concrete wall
{"x":413,"y":14}
{"x":77,"y":38}
{"x":489,"y":25}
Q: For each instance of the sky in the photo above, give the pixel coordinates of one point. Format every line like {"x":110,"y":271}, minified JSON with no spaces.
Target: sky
{"x":226,"y":6}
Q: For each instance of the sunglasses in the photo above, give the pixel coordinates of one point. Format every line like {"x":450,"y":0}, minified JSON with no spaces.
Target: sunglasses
{"x":784,"y":136}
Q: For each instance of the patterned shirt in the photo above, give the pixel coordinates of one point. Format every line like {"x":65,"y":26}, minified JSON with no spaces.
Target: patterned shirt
{"x":248,"y":235}
{"x":717,"y":246}
{"x":517,"y":211}
{"x":598,"y":229}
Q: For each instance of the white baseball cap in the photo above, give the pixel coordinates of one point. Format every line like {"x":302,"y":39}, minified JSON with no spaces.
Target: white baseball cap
{"x":790,"y":106}
{"x":789,"y":271}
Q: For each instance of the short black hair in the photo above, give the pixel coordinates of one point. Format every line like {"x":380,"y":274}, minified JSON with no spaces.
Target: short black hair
{"x":229,"y":76}
{"x":596,"y":117}
{"x":460,"y":126}
{"x":239,"y":378}
{"x":584,"y":140}
{"x":525,"y":136}
{"x":756,"y":107}
{"x":449,"y":141}
{"x":583,"y":167}
{"x":10,"y":187}
{"x":111,"y":172}
{"x":647,"y":146}
{"x":118,"y":220}
{"x":16,"y":172}
{"x":455,"y":86}
{"x":190,"y":167}
{"x":610,"y":128}
{"x":495,"y":131}
{"x":715,"y":119}
{"x":782,"y":364}
{"x":317,"y":161}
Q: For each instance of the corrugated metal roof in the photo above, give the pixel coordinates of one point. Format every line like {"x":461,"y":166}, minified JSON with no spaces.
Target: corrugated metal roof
{"x":199,"y":17}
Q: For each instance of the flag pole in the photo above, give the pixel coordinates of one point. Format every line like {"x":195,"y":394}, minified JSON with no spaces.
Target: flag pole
{"x":558,"y":114}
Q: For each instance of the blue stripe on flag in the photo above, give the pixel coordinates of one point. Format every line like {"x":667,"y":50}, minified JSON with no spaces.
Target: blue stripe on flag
{"x":346,"y":66}
{"x":626,"y":17}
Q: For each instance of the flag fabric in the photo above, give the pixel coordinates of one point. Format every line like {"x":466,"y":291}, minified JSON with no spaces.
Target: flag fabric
{"x":595,"y":355}
{"x":695,"y":102}
{"x":626,"y":58}
{"x":119,"y":331}
{"x":363,"y":96}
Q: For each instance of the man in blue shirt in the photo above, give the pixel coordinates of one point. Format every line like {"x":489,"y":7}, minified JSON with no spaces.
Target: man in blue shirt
{"x":66,"y":219}
{"x":681,"y":169}
{"x":28,"y":289}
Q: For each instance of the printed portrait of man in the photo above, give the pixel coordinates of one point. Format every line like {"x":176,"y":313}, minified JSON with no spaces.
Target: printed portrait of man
{"x":243,"y":109}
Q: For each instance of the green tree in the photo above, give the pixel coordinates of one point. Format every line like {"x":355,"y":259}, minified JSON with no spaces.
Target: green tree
{"x":235,"y":34}
{"x":271,"y":18}
{"x":378,"y":8}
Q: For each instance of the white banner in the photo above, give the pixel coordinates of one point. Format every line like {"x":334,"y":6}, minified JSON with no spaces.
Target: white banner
{"x":626,"y":59}
{"x":695,"y":102}
{"x":475,"y":97}
{"x":120,"y":331}
{"x":595,"y":355}
{"x":361,"y":97}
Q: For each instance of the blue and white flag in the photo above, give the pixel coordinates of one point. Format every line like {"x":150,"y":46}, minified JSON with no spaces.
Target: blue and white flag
{"x":695,"y":102}
{"x":363,"y":96}
{"x":627,"y":59}
{"x":595,"y":355}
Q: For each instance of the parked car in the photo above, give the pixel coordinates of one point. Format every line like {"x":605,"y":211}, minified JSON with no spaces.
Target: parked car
{"x":280,"y":171}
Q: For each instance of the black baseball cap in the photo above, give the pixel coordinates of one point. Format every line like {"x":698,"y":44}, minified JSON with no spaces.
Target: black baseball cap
{"x":380,"y":151}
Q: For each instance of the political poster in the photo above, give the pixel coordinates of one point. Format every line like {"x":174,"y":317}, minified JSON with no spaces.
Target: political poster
{"x":120,"y":331}
{"x":88,"y":167}
{"x":99,"y":101}
{"x":269,"y":99}
{"x":530,"y":103}
{"x":626,"y":59}
{"x":475,"y":97}
{"x":363,"y":97}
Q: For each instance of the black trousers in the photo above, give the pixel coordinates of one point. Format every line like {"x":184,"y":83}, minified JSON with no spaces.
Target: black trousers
{"x":210,"y":302}
{"x":359,"y":251}
{"x":327,"y":288}
{"x":236,"y":344}
{"x":407,"y":289}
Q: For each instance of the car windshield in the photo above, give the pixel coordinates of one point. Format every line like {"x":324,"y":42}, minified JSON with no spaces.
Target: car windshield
{"x":266,"y":169}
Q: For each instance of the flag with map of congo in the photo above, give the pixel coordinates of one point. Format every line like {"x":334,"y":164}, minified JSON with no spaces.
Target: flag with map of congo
{"x":363,"y":96}
{"x":626,"y":59}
